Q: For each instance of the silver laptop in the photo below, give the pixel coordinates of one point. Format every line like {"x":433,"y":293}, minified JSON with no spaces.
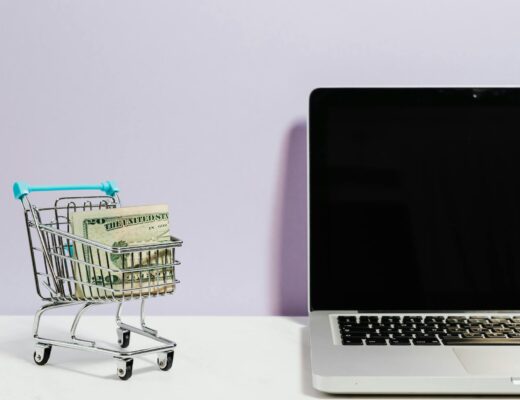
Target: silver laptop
{"x":415,"y":240}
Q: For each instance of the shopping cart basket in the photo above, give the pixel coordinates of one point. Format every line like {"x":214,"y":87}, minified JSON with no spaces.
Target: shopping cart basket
{"x":64,"y":279}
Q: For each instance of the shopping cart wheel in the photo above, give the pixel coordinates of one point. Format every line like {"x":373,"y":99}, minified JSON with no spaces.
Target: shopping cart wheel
{"x":123,"y":337}
{"x":165,"y":360}
{"x":124,"y":368}
{"x":41,"y":354}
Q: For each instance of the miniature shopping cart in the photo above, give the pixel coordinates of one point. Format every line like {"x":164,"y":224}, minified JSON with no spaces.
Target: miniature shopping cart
{"x":64,"y":279}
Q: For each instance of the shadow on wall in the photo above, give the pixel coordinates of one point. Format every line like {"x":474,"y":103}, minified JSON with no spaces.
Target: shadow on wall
{"x":291,"y":257}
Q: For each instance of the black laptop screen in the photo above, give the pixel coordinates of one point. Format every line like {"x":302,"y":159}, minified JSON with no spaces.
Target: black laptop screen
{"x":414,"y":199}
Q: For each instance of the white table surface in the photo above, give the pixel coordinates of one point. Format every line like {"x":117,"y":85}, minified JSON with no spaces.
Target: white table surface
{"x":216,"y":358}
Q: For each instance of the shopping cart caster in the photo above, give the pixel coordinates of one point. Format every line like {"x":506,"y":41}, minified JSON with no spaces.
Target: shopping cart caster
{"x":123,"y":337}
{"x":165,"y":360}
{"x":41,"y":354}
{"x":124,"y":368}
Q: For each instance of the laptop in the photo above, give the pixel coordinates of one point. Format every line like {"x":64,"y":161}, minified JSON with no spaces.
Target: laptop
{"x":414,"y":213}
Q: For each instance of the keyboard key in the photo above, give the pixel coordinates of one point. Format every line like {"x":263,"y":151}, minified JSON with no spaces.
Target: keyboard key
{"x":399,"y":342}
{"x":495,"y":335}
{"x":352,"y":342}
{"x":473,"y":320}
{"x":376,"y":342}
{"x":343,"y":318}
{"x":353,"y":336}
{"x":426,"y":336}
{"x":500,"y":320}
{"x":471,"y":335}
{"x":354,"y":333}
{"x":388,"y":319}
{"x":405,"y":336}
{"x":367,"y":319}
{"x":434,"y":319}
{"x":416,"y":319}
{"x":409,"y":328}
{"x":381,"y":326}
{"x":426,"y":342}
{"x":379,"y":337}
{"x":354,"y":327}
{"x":437,"y":331}
{"x":455,"y":320}
{"x":449,"y":336}
{"x":456,"y":330}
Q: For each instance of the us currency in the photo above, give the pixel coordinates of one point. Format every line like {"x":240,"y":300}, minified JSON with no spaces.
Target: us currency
{"x":122,"y":227}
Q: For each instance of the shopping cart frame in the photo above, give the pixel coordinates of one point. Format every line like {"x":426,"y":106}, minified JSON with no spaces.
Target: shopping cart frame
{"x":56,"y":265}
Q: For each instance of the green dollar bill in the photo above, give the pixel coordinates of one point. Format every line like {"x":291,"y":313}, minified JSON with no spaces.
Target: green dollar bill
{"x":122,"y":227}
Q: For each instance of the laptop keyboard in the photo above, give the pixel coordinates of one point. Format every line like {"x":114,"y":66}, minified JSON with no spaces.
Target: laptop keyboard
{"x":429,"y":331}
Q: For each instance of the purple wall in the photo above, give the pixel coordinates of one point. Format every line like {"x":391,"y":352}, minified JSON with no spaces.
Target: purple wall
{"x":202,"y":105}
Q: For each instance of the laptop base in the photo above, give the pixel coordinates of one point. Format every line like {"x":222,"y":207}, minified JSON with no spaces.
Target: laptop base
{"x":442,"y":369}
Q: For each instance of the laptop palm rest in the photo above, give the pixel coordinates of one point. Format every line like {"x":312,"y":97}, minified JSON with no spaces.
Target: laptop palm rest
{"x":490,"y":360}
{"x":375,"y":361}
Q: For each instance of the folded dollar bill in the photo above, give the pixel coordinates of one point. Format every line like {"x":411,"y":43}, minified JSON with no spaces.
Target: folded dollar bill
{"x":122,"y":227}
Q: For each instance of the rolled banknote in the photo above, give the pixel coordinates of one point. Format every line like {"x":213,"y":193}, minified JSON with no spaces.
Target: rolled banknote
{"x":122,"y":227}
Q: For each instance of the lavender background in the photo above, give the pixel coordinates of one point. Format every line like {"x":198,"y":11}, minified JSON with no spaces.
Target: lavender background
{"x":202,"y":105}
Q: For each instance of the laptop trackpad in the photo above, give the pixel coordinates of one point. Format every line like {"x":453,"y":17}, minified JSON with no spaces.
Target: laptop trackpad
{"x":490,"y":360}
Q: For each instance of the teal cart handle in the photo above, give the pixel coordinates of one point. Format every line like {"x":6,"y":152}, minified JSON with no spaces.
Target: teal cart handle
{"x":22,"y":189}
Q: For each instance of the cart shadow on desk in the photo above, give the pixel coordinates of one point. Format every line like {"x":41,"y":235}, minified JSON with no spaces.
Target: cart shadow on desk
{"x":82,"y":362}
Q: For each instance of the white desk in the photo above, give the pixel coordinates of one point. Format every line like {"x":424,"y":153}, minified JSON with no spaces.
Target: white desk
{"x":216,"y":358}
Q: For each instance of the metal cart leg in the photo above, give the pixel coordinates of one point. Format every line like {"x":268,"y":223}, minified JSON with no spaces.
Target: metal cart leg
{"x":123,"y":335}
{"x":143,"y":325}
{"x":123,"y":330}
{"x":75,"y":326}
{"x":42,"y":310}
{"x":42,"y":351}
{"x":144,"y":330}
